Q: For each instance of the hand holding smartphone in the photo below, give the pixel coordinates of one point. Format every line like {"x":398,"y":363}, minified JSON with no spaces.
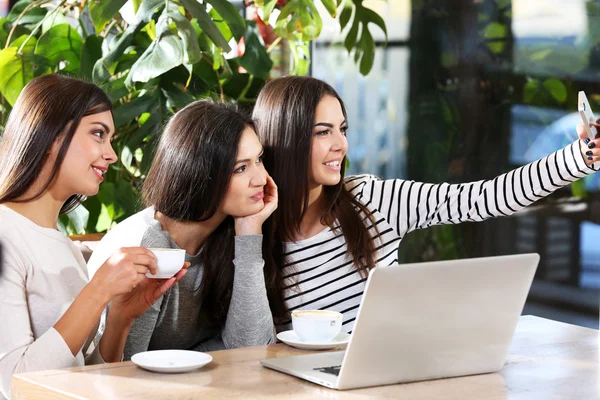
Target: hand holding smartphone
{"x":587,"y":116}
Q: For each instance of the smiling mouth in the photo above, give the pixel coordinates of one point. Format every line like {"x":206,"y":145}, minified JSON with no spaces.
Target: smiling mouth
{"x":100,"y":173}
{"x":332,"y":164}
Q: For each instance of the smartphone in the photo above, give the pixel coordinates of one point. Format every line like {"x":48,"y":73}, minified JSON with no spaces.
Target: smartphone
{"x":586,"y":115}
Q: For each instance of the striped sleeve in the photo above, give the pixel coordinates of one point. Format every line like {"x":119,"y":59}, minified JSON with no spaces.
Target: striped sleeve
{"x":409,"y":205}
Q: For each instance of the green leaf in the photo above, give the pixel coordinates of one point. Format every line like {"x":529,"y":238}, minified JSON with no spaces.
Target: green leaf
{"x":136,"y":5}
{"x":231,"y":15}
{"x":281,"y":25}
{"x":126,"y":198}
{"x":144,"y":14}
{"x":150,"y":127}
{"x":371,"y":16}
{"x":17,"y":69}
{"x":116,"y":89}
{"x":128,"y":112}
{"x":331,"y":7}
{"x":301,"y":57}
{"x":186,"y":32}
{"x":33,"y":16}
{"x":56,"y":19}
{"x":494,"y":33}
{"x":91,"y":52}
{"x":530,"y":90}
{"x":176,"y":97}
{"x":127,"y":61}
{"x":162,"y":55}
{"x":221,"y":24}
{"x":206,"y":23}
{"x":540,"y":55}
{"x":268,"y":9}
{"x":235,"y":85}
{"x":557,"y":89}
{"x":104,"y":11}
{"x":350,"y":40}
{"x":4,"y":30}
{"x":312,"y":29}
{"x":61,"y":44}
{"x":108,"y":211}
{"x":204,"y":70}
{"x":368,"y":55}
{"x":78,"y":219}
{"x":578,"y":189}
{"x":93,"y":205}
{"x":255,"y":59}
{"x":345,"y":16}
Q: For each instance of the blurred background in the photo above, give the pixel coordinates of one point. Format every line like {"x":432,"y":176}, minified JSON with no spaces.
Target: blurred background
{"x":449,"y":92}
{"x":466,"y":90}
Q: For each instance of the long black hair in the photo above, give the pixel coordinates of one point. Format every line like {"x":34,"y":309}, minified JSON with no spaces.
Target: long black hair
{"x":284,"y":115}
{"x":188,"y":181}
{"x":49,"y":107}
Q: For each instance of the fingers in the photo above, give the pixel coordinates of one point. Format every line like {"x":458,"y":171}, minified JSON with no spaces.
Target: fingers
{"x":582,"y":132}
{"x":163,"y":287}
{"x":593,"y":154}
{"x":180,"y":274}
{"x":144,"y":261}
{"x":137,"y":250}
{"x":593,"y":144}
{"x":137,"y":280}
{"x":271,"y":187}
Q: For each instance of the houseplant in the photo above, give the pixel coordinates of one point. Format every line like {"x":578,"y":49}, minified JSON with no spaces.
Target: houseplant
{"x":153,"y":57}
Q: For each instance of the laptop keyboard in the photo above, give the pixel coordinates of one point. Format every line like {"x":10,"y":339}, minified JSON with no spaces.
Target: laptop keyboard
{"x":335,"y":370}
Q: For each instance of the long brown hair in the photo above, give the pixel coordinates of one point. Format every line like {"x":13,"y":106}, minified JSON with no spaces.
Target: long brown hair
{"x":188,"y":181}
{"x":284,"y":114}
{"x":49,"y":107}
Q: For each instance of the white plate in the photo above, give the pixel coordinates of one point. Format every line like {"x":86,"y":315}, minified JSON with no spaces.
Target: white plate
{"x":291,"y":339}
{"x":171,"y":361}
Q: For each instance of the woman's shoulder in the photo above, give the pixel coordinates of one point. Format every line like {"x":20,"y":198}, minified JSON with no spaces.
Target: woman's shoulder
{"x":133,"y":227}
{"x":352,"y":180}
{"x":127,"y":233}
{"x":356,"y":184}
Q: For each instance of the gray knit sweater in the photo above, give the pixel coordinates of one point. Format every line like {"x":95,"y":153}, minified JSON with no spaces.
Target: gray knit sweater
{"x":174,"y":321}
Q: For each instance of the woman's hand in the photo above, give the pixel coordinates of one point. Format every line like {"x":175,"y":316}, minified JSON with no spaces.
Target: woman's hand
{"x":252,"y":224}
{"x":123,"y":271}
{"x":133,"y":304}
{"x":590,"y":150}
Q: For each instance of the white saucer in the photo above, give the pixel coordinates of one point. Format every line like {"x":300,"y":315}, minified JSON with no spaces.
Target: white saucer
{"x":171,"y":361}
{"x":291,"y":339}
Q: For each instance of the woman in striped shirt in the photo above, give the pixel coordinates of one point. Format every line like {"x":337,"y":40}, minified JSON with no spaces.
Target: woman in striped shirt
{"x":329,"y":230}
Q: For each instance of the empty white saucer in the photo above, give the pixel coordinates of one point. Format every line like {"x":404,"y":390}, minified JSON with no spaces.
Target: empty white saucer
{"x":291,"y":339}
{"x":171,"y":361}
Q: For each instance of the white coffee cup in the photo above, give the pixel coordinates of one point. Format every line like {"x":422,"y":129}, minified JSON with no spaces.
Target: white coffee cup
{"x":168,"y":262}
{"x":316,"y":326}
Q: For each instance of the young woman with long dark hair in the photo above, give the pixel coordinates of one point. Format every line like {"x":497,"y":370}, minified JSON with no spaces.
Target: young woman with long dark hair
{"x":54,"y":150}
{"x":329,"y":230}
{"x":207,"y":192}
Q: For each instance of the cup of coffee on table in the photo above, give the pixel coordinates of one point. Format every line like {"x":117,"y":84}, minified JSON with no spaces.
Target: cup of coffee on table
{"x":316,"y":326}
{"x":168,"y":262}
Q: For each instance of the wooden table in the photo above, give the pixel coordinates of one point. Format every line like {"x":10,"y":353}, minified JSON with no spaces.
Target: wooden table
{"x":548,"y":360}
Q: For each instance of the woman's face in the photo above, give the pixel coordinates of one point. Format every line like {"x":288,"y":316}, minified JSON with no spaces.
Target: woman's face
{"x":329,"y":144}
{"x":246,"y":187}
{"x":88,"y":157}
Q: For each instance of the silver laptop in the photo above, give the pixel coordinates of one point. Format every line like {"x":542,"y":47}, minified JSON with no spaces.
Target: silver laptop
{"x":426,"y":321}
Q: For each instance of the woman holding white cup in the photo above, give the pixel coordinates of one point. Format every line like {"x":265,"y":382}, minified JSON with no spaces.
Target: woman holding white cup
{"x":54,"y":151}
{"x":207,"y":194}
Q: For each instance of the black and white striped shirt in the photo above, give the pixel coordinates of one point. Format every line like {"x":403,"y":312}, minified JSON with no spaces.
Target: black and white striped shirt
{"x":318,"y":271}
